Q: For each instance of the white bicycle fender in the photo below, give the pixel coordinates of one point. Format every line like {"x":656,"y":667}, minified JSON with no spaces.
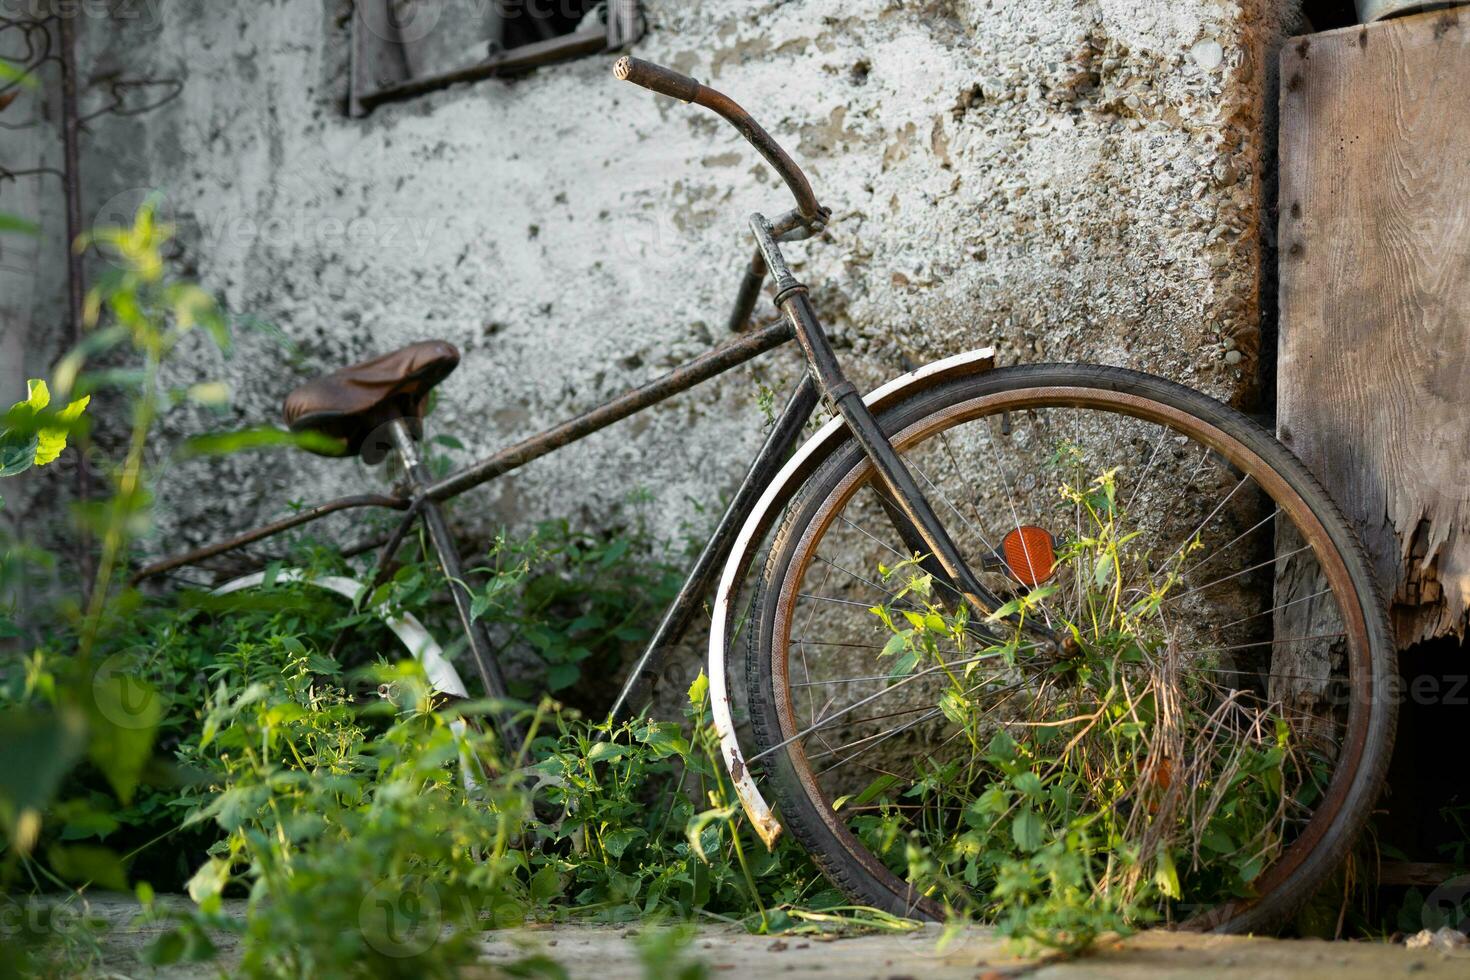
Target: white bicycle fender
{"x":767,"y":510}
{"x":406,"y":626}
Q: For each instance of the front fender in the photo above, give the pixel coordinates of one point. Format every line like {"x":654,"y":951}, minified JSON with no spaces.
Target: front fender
{"x":768,"y":509}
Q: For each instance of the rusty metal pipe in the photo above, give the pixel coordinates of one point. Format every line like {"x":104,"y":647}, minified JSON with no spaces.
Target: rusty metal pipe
{"x":730,"y":354}
{"x":666,"y":81}
{"x":749,"y":293}
{"x":783,"y":437}
{"x":266,"y":530}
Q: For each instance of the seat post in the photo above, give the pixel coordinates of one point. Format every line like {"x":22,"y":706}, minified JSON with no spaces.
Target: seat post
{"x":448,"y":554}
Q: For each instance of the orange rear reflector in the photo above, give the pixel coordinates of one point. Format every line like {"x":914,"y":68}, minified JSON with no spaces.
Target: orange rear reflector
{"x":1029,"y":554}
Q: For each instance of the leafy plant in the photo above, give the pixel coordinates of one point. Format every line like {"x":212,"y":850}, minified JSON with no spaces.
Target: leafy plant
{"x":581,"y":603}
{"x":33,"y":436}
{"x":1113,"y":794}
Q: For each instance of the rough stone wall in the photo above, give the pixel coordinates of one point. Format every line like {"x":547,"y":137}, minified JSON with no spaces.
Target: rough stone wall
{"x":1066,"y":181}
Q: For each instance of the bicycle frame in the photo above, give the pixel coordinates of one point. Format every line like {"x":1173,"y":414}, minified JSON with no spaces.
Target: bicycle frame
{"x":422,"y":501}
{"x":918,"y":527}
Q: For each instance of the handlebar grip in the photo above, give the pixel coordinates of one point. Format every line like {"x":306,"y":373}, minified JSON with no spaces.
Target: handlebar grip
{"x":657,"y":78}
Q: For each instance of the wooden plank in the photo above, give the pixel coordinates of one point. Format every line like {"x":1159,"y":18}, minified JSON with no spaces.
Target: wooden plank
{"x":1374,"y":252}
{"x":1422,"y":874}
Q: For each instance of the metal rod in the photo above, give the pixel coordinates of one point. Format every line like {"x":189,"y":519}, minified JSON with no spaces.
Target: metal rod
{"x":772,"y":456}
{"x":384,"y":565}
{"x":728,"y":355}
{"x":523,"y":57}
{"x":749,"y":293}
{"x":448,"y":554}
{"x":266,"y":530}
{"x":75,"y":282}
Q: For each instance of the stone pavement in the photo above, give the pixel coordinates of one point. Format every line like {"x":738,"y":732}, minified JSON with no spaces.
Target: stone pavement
{"x":609,"y":953}
{"x":612,"y":953}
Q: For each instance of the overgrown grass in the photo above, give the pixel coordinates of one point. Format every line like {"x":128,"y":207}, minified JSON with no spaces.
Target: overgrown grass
{"x":276,"y":746}
{"x":1115,"y":792}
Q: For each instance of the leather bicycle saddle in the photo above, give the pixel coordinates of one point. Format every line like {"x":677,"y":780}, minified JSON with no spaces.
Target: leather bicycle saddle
{"x":350,"y":405}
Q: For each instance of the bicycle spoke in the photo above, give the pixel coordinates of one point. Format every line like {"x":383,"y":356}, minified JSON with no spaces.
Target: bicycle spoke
{"x":900,"y":682}
{"x":1232,"y":543}
{"x":1234,"y":575}
{"x":1208,"y":517}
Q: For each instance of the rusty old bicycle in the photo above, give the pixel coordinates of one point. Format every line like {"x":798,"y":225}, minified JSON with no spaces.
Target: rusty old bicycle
{"x":953,"y":563}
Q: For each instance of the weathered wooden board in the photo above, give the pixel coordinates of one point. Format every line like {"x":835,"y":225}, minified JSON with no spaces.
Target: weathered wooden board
{"x":1374,"y":364}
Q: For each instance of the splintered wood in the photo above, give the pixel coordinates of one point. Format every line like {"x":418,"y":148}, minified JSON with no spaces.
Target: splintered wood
{"x":1374,"y":368}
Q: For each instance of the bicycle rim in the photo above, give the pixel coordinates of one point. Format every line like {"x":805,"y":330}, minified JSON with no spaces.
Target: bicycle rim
{"x":1230,"y":540}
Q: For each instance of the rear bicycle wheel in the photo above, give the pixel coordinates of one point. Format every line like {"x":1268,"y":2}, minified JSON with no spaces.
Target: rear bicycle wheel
{"x":1207,"y":748}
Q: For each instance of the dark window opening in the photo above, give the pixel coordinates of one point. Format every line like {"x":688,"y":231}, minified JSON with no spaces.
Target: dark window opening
{"x":1327,"y":15}
{"x":404,"y":48}
{"x":519,"y":22}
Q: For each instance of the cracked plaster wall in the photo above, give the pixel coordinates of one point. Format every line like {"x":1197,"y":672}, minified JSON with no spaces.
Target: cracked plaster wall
{"x":1079,"y":180}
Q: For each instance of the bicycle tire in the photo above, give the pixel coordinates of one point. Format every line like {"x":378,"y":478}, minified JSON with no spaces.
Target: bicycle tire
{"x":1312,"y":858}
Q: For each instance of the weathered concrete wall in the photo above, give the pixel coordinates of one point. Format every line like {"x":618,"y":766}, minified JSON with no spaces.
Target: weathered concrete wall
{"x":1067,"y":181}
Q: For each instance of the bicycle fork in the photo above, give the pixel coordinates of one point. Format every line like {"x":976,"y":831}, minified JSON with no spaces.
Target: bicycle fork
{"x":912,"y":515}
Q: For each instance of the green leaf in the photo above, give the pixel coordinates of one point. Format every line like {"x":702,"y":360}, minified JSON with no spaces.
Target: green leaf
{"x":233,"y":807}
{"x":545,"y":884}
{"x":1026,"y":830}
{"x":606,"y":752}
{"x":259,"y":437}
{"x":38,"y":396}
{"x":665,"y":739}
{"x":1029,"y":783}
{"x":1007,"y":609}
{"x":620,"y":840}
{"x":37,"y":749}
{"x":89,"y":823}
{"x":905,"y":664}
{"x":1249,"y":868}
{"x":209,"y":880}
{"x":1218,"y":841}
{"x":876,"y":789}
{"x":561,"y":676}
{"x":699,"y":690}
{"x":954,"y":706}
{"x":1166,"y":875}
{"x":124,"y":716}
{"x":993,"y":801}
{"x":694,"y":831}
{"x":17,"y":452}
{"x":13,"y":74}
{"x":166,"y":950}
{"x":51,"y":439}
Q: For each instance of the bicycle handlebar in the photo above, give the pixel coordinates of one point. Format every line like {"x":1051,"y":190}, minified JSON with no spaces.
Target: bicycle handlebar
{"x":665,"y":81}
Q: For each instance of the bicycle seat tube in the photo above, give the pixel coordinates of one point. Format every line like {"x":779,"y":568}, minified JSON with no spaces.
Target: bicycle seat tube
{"x":448,"y":554}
